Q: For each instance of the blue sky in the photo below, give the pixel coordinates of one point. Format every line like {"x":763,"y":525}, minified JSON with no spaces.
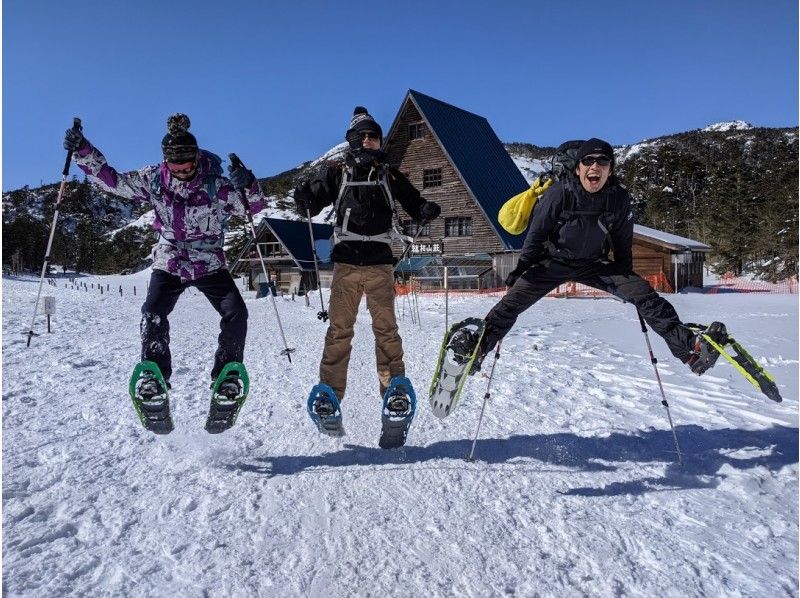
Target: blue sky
{"x":276,"y":82}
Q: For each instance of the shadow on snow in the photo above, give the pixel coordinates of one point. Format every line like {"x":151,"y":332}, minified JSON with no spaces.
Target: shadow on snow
{"x":705,"y":452}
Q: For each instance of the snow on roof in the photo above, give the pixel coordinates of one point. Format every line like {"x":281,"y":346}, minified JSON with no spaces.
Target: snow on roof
{"x":674,"y":241}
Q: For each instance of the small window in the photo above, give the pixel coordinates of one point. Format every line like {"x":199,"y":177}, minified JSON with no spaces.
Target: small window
{"x":432,"y":177}
{"x":416,"y":131}
{"x":458,"y":227}
{"x":412,"y":228}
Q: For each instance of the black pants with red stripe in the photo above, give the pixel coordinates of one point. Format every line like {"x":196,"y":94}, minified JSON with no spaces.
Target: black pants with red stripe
{"x":542,"y":278}
{"x":220,"y":289}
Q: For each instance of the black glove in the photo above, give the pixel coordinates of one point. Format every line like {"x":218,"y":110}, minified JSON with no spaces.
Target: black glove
{"x":429,"y":211}
{"x":303,"y":200}
{"x":73,"y":140}
{"x":241,"y":178}
{"x":516,"y":273}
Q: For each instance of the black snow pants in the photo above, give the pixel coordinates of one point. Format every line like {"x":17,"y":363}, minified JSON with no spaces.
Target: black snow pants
{"x":628,"y":286}
{"x":220,"y":290}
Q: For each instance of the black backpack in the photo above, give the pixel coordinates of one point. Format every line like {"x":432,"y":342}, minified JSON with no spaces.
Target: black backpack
{"x":563,"y":162}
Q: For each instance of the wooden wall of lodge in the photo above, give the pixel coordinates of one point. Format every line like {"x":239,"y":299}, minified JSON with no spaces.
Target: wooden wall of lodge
{"x":412,"y":157}
{"x":650,"y":260}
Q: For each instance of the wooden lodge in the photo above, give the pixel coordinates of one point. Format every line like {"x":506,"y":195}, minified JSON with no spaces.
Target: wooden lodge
{"x":285,"y":247}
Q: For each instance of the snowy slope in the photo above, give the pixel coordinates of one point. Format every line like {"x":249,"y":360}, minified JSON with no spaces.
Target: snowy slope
{"x":575,"y":490}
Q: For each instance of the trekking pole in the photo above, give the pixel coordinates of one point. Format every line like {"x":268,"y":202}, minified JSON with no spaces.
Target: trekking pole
{"x":76,"y":126}
{"x":485,"y":399}
{"x":654,"y":361}
{"x":323,"y":314}
{"x":235,"y":163}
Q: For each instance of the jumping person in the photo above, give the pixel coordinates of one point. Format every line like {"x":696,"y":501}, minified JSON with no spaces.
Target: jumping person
{"x":573,"y":228}
{"x":363,"y":190}
{"x":193,"y":202}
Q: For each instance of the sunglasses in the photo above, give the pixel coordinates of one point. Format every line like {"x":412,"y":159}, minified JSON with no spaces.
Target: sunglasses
{"x":600,"y":160}
{"x":369,"y":135}
{"x":182,"y":168}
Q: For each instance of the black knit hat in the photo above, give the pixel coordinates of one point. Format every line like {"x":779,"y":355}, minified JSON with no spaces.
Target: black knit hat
{"x":179,"y":145}
{"x":595,"y":146}
{"x":361,"y":121}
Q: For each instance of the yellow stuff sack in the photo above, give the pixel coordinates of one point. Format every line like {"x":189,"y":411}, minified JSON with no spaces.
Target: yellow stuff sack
{"x":516,"y":212}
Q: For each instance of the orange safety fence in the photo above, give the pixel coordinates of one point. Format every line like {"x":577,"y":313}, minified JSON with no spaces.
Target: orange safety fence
{"x":729,"y":283}
{"x":658,"y":281}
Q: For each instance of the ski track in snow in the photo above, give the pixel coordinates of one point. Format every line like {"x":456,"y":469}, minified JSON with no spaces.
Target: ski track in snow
{"x":575,"y":489}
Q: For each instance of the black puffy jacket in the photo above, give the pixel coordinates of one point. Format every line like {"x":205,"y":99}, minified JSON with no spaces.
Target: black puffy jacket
{"x":580,"y":238}
{"x":370,"y":212}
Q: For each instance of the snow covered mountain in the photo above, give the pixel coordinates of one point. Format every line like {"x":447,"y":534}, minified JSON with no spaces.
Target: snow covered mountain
{"x":696,"y":166}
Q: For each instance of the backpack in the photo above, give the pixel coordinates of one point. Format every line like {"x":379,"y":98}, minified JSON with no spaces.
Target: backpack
{"x":341,"y":232}
{"x":516,"y":212}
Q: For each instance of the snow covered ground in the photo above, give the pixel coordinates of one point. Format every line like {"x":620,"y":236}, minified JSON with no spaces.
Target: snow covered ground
{"x":574,"y":490}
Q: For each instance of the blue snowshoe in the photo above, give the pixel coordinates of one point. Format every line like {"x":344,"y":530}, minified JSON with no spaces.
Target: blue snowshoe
{"x":399,"y":406}
{"x":325,"y":411}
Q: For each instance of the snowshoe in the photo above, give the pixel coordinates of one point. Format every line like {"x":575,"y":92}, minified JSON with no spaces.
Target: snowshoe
{"x":150,"y":395}
{"x":228,"y":394}
{"x":741,"y":360}
{"x":457,"y":357}
{"x":324,"y":410}
{"x":399,"y":406}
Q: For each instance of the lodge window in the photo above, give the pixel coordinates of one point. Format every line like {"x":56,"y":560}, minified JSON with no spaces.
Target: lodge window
{"x":269,"y":248}
{"x":458,"y":227}
{"x":431,"y":177}
{"x":416,"y":131}
{"x":412,"y":227}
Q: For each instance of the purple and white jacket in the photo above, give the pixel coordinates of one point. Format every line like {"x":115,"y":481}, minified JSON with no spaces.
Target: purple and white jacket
{"x":190,"y":216}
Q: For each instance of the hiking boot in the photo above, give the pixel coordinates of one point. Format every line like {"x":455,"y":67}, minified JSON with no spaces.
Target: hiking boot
{"x":488,"y":343}
{"x":463,"y":344}
{"x":149,"y":388}
{"x":399,"y":404}
{"x":230,"y":388}
{"x":323,"y":406}
{"x":704,"y":356}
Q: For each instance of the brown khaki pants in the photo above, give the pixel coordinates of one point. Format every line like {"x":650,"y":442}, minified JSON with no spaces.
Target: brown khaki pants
{"x":348,"y":285}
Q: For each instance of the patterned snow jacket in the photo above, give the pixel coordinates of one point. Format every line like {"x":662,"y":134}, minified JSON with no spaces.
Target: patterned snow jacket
{"x":190,"y":216}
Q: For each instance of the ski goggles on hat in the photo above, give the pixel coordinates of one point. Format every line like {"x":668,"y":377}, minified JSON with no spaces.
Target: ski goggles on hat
{"x":600,"y":160}
{"x":182,"y":168}
{"x":369,"y":135}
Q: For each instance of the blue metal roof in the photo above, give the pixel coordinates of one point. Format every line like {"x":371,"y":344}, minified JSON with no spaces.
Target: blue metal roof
{"x":293,"y":234}
{"x":479,"y":156}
